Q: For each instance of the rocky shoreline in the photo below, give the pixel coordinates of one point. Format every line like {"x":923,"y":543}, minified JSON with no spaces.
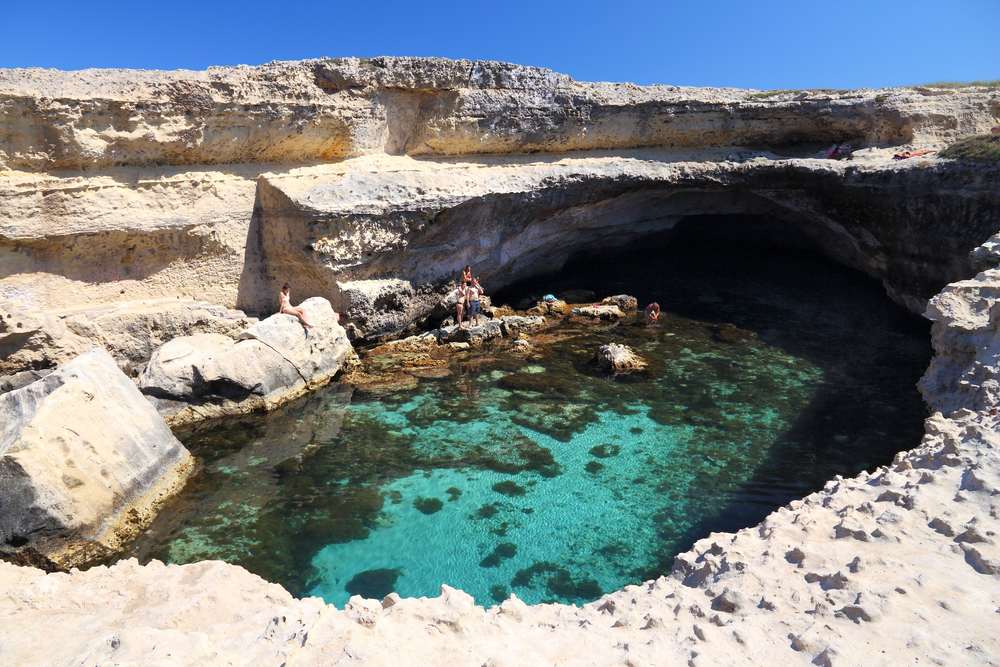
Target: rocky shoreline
{"x":162,"y":201}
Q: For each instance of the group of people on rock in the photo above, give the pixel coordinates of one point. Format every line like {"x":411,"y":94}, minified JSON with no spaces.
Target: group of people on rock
{"x":468,"y":302}
{"x":468,"y":298}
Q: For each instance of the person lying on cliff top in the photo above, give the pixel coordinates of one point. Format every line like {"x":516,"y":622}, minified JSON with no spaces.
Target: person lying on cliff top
{"x":653,"y":312}
{"x":906,"y":155}
{"x":288,"y":309}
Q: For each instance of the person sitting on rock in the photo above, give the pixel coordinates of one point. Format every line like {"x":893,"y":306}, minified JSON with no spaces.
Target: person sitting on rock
{"x":653,"y":312}
{"x":467,"y":275}
{"x":288,"y":309}
{"x":474,"y":291}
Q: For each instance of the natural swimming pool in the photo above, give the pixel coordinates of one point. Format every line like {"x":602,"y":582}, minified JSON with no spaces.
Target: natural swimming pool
{"x":543,"y":478}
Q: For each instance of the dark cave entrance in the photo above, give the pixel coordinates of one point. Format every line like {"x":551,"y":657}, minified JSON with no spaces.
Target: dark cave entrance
{"x":771,"y":278}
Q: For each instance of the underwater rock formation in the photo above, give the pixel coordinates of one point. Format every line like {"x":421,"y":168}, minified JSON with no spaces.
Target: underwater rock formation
{"x":273,"y":361}
{"x":84,"y":463}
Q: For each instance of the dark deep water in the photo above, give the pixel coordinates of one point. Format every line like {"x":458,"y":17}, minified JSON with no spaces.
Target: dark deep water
{"x":773,"y":371}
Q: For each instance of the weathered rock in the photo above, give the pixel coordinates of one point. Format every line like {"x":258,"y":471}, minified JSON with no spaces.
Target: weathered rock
{"x":84,"y":462}
{"x":599,"y":312}
{"x":130,"y":331}
{"x":624,"y":302}
{"x":475,"y":334}
{"x":376,"y":309}
{"x":273,"y":361}
{"x":617,"y":358}
{"x":18,"y":380}
{"x":549,"y":308}
{"x":515,"y":325}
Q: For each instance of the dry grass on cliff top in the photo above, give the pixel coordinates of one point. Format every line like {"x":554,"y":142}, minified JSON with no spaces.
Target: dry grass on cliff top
{"x":992,"y":85}
{"x":981,"y":148}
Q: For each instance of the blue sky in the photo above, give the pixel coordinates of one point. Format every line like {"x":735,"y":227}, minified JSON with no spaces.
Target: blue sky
{"x":756,"y":43}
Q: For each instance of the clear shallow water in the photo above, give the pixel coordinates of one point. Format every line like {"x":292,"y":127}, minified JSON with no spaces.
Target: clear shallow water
{"x":542,"y":478}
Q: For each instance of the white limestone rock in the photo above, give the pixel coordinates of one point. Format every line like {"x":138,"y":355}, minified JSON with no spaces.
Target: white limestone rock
{"x":84,"y":462}
{"x":608,"y":313}
{"x":273,"y":361}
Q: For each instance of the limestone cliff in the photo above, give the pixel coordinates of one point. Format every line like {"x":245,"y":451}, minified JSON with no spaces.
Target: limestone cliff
{"x":124,"y":185}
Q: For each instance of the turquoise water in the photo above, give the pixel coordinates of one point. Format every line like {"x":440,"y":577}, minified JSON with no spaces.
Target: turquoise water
{"x":543,"y":478}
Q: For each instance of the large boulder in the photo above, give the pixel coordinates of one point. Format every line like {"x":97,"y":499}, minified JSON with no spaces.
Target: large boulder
{"x":618,"y":358}
{"x":274,"y":361}
{"x":625,"y":302}
{"x":378,"y":309}
{"x":85,"y":461}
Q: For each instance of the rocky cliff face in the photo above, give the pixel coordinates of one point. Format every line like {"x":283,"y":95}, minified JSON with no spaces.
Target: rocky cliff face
{"x":335,"y":108}
{"x":911,"y":226}
{"x":130,"y":185}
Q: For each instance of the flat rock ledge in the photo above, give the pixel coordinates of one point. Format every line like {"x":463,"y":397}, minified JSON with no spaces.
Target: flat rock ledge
{"x":85,"y":461}
{"x":273,"y":361}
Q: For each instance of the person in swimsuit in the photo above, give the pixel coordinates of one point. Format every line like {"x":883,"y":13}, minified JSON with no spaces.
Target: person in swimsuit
{"x":467,"y":275}
{"x":474,"y":291}
{"x":460,"y":304}
{"x":653,"y":312}
{"x":288,"y":309}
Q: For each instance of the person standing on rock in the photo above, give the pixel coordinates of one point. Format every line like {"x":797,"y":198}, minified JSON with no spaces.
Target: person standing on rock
{"x":288,"y":309}
{"x":474,"y":291}
{"x":460,"y":295}
{"x":467,"y":275}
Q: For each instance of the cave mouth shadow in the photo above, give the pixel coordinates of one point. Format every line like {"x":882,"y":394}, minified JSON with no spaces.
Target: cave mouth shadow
{"x":767,"y":277}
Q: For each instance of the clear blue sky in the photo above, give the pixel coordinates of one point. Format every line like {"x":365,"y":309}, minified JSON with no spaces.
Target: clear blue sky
{"x":758,"y":43}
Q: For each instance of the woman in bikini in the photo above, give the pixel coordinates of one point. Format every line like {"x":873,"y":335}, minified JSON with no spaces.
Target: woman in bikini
{"x":288,"y":309}
{"x":460,"y":304}
{"x":467,"y":275}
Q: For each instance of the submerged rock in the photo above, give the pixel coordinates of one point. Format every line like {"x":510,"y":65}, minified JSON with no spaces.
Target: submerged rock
{"x":84,"y":462}
{"x":273,"y":361}
{"x":618,"y":358}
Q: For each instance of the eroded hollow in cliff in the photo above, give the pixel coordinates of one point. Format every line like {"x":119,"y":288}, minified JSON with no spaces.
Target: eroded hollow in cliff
{"x":774,"y":370}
